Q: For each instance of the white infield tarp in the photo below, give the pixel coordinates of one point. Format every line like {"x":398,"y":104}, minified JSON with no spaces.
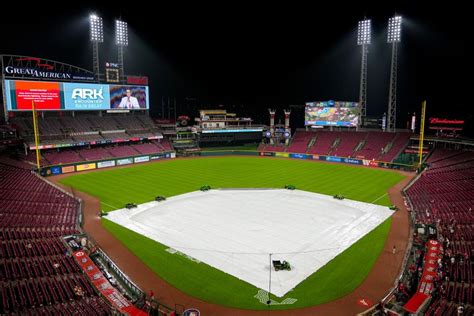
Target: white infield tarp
{"x":235,"y":230}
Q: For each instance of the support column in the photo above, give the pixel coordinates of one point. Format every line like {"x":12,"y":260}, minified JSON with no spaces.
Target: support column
{"x":272,"y":125}
{"x":287,"y":126}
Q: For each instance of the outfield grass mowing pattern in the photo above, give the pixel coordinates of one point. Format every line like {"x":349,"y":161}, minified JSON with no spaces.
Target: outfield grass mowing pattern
{"x":142,"y":183}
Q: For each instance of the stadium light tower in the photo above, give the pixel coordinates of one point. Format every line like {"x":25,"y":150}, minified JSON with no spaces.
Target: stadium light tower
{"x":393,"y":37}
{"x":121,"y":39}
{"x":96,"y":37}
{"x":363,"y":40}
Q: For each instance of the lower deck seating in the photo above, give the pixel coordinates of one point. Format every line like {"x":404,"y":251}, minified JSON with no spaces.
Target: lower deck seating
{"x":443,"y":196}
{"x":37,"y":276}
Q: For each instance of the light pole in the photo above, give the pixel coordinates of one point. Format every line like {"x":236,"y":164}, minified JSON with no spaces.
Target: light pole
{"x":394,"y":37}
{"x":96,"y":37}
{"x":121,"y":40}
{"x":363,"y":40}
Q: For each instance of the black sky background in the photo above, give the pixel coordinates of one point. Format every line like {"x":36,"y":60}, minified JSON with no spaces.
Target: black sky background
{"x":250,"y":58}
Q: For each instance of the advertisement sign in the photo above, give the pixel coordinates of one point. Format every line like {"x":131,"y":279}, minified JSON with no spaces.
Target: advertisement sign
{"x":332,"y":113}
{"x":45,"y":172}
{"x":283,"y":155}
{"x":112,"y":65}
{"x":39,"y":68}
{"x":267,"y":154}
{"x":331,"y":158}
{"x":54,"y":96}
{"x":26,"y":72}
{"x":124,"y":161}
{"x":141,"y":159}
{"x":21,"y":94}
{"x":12,"y":71}
{"x":105,"y":164}
{"x":128,"y":97}
{"x":370,"y":163}
{"x":373,"y":163}
{"x":96,"y":277}
{"x":85,"y":96}
{"x":142,"y":80}
{"x":56,"y":170}
{"x":352,"y":161}
{"x":301,"y":156}
{"x":154,"y":157}
{"x":243,"y":130}
{"x":86,"y":166}
{"x":426,"y":284}
{"x":171,"y":155}
{"x":450,"y":125}
{"x":68,"y":169}
{"x":435,"y":120}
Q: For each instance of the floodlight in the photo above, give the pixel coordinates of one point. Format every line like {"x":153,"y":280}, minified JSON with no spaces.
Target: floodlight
{"x":96,"y":28}
{"x":363,"y":32}
{"x":121,"y":33}
{"x":394,"y":29}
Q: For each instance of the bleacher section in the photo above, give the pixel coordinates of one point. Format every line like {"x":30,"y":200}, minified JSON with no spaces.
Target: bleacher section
{"x":446,"y":190}
{"x":164,"y":145}
{"x":94,"y":153}
{"x":81,"y":128}
{"x":348,"y":142}
{"x":122,"y":151}
{"x":71,"y":124}
{"x":442,"y":154}
{"x":323,"y":144}
{"x":149,"y":148}
{"x":78,"y":154}
{"x":364,"y":145}
{"x":444,"y":196}
{"x":91,"y":137}
{"x":103,"y":123}
{"x":37,"y":276}
{"x":87,"y":137}
{"x":300,"y":142}
{"x":61,"y":157}
{"x":374,"y":145}
{"x":117,"y":135}
{"x":398,"y":144}
{"x":274,"y":148}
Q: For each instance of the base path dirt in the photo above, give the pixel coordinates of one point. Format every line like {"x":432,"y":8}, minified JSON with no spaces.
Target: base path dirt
{"x":377,"y":284}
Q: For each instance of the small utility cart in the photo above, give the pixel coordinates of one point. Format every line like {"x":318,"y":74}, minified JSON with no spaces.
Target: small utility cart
{"x":160,"y":198}
{"x":281,"y":265}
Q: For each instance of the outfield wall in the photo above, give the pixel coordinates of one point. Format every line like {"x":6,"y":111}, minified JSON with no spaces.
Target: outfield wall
{"x":344,"y":160}
{"x":106,"y":163}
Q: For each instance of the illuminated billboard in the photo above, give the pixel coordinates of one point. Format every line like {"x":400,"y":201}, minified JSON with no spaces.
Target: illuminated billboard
{"x":54,"y":96}
{"x":128,"y":97}
{"x":86,"y":96}
{"x":47,"y":95}
{"x":332,"y":113}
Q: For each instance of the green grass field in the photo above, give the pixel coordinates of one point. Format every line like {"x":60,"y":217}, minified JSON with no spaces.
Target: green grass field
{"x":142,"y":183}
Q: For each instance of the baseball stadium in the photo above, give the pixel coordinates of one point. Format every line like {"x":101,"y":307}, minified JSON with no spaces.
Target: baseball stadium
{"x":116,"y":199}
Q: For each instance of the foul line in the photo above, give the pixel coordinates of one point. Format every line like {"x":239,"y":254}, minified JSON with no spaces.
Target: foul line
{"x":378,"y":198}
{"x":109,"y":205}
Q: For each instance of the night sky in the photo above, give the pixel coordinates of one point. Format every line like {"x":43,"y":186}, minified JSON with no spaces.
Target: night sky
{"x":250,"y":58}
